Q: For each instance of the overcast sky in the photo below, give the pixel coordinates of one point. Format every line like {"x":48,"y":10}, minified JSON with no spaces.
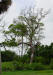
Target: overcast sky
{"x":47,"y":4}
{"x":16,"y":7}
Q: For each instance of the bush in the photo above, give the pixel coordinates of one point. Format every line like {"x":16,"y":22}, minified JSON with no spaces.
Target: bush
{"x":18,"y":65}
{"x":28,"y":67}
{"x":7,"y":66}
{"x":33,"y":66}
{"x":43,"y":60}
{"x":37,"y":66}
{"x":13,"y":66}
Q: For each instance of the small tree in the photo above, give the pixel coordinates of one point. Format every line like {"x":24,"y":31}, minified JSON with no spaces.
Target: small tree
{"x":17,"y":30}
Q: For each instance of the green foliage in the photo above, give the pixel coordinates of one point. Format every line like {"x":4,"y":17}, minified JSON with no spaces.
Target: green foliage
{"x":18,"y":65}
{"x":43,"y":55}
{"x":38,"y":66}
{"x":10,"y":43}
{"x":18,"y":29}
{"x":25,"y":59}
{"x":47,"y":53}
{"x":7,"y":66}
{"x":51,"y":64}
{"x":8,"y":56}
{"x":15,"y":65}
{"x":34,"y":66}
{"x":38,"y":59}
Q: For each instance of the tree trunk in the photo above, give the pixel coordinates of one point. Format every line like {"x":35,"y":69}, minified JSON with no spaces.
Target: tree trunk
{"x":0,"y":63}
{"x":32,"y":51}
{"x":22,"y":47}
{"x":32,"y":55}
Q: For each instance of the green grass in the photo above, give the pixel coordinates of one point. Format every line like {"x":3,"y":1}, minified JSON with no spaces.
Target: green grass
{"x":49,"y":72}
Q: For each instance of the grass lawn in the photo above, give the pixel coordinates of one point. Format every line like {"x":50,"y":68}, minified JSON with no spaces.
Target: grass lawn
{"x":49,"y":72}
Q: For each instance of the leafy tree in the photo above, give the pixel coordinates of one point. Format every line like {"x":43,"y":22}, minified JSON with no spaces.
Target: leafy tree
{"x":33,"y":21}
{"x":33,"y":28}
{"x":46,"y":52}
{"x":18,"y":30}
{"x":8,"y":56}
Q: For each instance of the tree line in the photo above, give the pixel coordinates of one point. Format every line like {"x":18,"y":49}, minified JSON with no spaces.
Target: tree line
{"x":44,"y":53}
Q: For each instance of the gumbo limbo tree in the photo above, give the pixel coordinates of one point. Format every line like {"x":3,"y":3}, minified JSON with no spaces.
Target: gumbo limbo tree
{"x":33,"y":20}
{"x":4,"y":5}
{"x":29,"y":23}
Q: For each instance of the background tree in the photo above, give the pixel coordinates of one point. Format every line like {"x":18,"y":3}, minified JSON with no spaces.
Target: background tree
{"x":4,"y":5}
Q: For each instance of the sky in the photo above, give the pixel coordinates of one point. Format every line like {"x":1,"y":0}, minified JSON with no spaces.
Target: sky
{"x":18,"y":5}
{"x":48,"y":5}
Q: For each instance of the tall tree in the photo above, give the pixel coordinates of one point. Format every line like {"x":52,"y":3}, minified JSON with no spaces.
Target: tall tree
{"x":33,"y":21}
{"x":4,"y":4}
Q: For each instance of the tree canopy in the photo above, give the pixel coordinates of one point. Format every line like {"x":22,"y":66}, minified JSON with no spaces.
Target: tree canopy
{"x":4,"y":5}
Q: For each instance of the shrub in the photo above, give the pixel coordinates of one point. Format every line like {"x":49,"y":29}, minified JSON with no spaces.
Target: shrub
{"x":33,"y":66}
{"x":37,"y":66}
{"x":7,"y":66}
{"x":27,"y":67}
{"x":13,"y":66}
{"x":18,"y":65}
